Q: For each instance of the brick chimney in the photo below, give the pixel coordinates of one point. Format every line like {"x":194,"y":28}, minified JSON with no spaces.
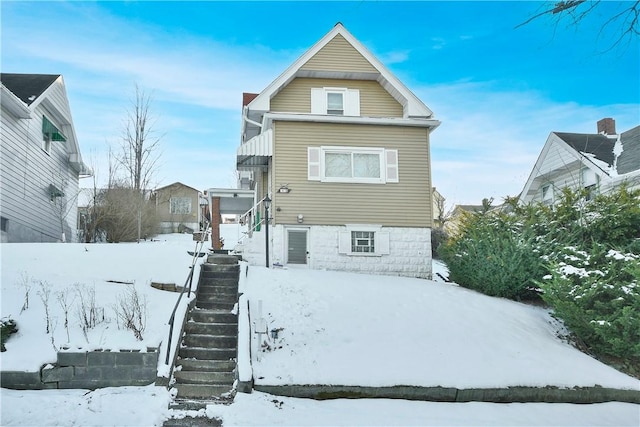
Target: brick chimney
{"x":607,"y":126}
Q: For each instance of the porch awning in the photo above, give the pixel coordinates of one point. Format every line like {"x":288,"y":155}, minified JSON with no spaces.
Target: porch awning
{"x":256,"y":151}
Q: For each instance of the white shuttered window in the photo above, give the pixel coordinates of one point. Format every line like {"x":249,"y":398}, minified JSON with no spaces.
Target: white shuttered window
{"x":352,"y":164}
{"x":335,"y":101}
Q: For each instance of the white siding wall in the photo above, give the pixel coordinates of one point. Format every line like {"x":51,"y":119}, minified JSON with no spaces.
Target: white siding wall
{"x":559,"y":169}
{"x":26,"y":171}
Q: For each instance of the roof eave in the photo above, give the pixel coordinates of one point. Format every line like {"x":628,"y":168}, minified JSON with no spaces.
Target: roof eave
{"x":12,"y":103}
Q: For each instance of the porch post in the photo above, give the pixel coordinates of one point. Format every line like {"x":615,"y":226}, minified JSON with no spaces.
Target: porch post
{"x":215,"y":223}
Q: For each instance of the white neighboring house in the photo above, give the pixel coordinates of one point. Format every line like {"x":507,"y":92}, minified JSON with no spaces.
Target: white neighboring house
{"x":599,"y":162}
{"x":40,"y":161}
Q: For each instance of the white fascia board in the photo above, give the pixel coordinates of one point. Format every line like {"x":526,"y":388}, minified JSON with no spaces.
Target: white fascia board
{"x":413,"y":106}
{"x":316,"y":118}
{"x":14,"y":104}
{"x":551,"y":140}
{"x":66,"y":120}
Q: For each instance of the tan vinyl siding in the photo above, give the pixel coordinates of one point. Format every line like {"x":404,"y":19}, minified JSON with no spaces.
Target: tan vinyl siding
{"x":403,"y":204}
{"x":375,"y":101}
{"x":338,"y":55}
{"x":163,"y":200}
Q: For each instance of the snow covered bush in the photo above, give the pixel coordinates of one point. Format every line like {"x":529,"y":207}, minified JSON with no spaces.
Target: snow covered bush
{"x":7,"y":327}
{"x":597,"y":295}
{"x":582,"y":255}
{"x":494,"y":254}
{"x":131,"y":311}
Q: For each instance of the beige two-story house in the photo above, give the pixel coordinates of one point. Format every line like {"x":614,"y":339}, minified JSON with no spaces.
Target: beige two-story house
{"x":341,"y":148}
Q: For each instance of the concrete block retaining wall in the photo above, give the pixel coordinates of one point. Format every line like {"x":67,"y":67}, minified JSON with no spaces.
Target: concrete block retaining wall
{"x":88,"y":370}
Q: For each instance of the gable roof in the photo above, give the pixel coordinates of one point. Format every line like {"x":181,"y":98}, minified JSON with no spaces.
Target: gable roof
{"x":177,"y":184}
{"x":601,"y":146}
{"x":371,"y":68}
{"x":614,"y":158}
{"x":28,"y":87}
{"x":629,"y":160}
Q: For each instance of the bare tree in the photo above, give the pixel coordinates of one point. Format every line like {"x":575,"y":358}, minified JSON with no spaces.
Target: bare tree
{"x":624,"y":20}
{"x":63,"y":199}
{"x":140,"y":146}
{"x":140,"y":149}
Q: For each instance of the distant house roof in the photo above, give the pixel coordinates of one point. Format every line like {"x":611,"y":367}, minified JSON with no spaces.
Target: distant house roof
{"x":622,"y":154}
{"x":601,"y":146}
{"x":177,"y":184}
{"x":27,"y":87}
{"x":248,"y":97}
{"x":629,"y":160}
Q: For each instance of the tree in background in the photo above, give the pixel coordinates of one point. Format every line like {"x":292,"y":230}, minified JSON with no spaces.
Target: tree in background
{"x":622,"y":19}
{"x":137,"y":159}
{"x":140,"y":147}
{"x":63,"y":200}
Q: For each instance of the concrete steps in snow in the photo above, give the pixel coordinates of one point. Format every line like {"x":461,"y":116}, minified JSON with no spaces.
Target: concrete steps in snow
{"x":206,"y":364}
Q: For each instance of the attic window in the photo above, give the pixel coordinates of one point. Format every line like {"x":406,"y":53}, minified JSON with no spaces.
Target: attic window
{"x":335,"y":101}
{"x":50,"y":132}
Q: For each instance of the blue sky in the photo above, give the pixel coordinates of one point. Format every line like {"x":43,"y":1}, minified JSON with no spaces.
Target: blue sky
{"x":498,"y":90}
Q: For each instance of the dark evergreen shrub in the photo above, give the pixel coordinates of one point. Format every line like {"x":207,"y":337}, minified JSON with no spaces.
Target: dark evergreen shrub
{"x":7,"y":327}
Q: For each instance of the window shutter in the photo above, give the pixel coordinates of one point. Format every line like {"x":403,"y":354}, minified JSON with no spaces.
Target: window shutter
{"x":391,"y":162}
{"x":382,"y":242}
{"x":344,"y":242}
{"x":318,"y":101}
{"x":352,"y":103}
{"x":313,"y":163}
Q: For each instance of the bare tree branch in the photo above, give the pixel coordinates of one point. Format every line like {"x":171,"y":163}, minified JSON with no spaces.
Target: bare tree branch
{"x":575,"y":11}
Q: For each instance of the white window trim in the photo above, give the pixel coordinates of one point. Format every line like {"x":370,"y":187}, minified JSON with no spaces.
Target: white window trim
{"x":46,"y":144}
{"x":350,"y":100}
{"x":388,"y":164}
{"x":380,"y":239}
{"x":353,"y":150}
{"x":549,"y":200}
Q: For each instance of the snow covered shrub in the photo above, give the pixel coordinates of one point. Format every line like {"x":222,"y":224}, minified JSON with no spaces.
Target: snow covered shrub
{"x":7,"y":327}
{"x":494,"y":254}
{"x":131,"y":310}
{"x":597,"y":295}
{"x":612,"y":219}
{"x":88,"y":312}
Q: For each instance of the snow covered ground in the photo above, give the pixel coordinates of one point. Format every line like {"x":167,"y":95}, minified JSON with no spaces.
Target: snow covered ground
{"x":333,"y":327}
{"x":355,"y":329}
{"x":147,"y":406}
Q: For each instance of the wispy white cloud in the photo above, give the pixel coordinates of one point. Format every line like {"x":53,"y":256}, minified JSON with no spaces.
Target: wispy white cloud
{"x":438,"y":43}
{"x":179,"y":67}
{"x":394,"y":57}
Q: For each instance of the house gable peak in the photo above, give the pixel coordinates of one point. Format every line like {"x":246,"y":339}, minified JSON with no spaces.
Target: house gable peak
{"x":28,"y":87}
{"x":369,"y":68}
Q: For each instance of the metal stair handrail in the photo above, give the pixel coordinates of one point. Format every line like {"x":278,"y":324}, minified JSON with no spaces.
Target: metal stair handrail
{"x":253,"y":219}
{"x":187,"y":286}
